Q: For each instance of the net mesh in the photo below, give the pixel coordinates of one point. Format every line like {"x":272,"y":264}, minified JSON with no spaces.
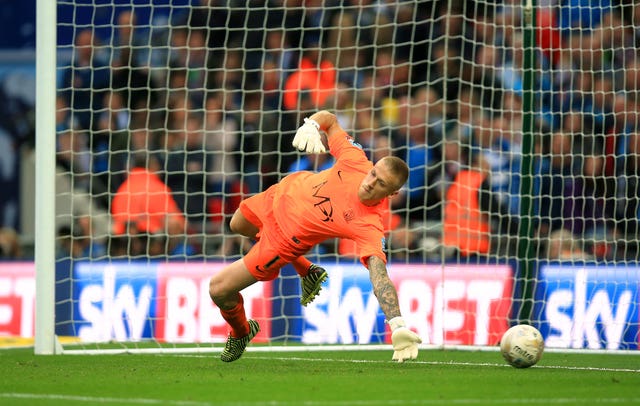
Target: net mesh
{"x":169,"y":115}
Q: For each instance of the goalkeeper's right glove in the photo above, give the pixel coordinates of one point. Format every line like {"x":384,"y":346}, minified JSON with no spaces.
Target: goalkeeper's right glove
{"x":308,"y":138}
{"x":405,"y":342}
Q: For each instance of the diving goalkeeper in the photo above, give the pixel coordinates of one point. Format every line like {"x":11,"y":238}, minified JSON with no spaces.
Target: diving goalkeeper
{"x":304,"y":209}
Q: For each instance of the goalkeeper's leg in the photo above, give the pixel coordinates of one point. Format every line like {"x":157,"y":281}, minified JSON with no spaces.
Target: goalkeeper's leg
{"x":234,"y":348}
{"x":224,"y":289}
{"x":312,"y":276}
{"x":242,"y":331}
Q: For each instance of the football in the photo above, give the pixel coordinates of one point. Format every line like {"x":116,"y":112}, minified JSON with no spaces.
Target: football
{"x":522,"y":346}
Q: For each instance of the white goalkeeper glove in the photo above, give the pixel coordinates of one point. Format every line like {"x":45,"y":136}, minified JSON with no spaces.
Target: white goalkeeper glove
{"x":405,"y":342}
{"x":308,"y":138}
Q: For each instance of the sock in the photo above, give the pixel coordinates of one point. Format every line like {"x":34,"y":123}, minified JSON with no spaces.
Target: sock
{"x":301,"y":265}
{"x":237,"y":319}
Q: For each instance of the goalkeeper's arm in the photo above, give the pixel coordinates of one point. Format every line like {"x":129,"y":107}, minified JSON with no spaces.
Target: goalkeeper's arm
{"x":308,"y":137}
{"x":327,"y":122}
{"x":405,"y":342}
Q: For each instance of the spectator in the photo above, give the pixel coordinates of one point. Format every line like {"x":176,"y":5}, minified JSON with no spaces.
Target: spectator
{"x":626,"y":114}
{"x":316,"y":17}
{"x":115,"y":116}
{"x":628,"y":192}
{"x":632,"y":79}
{"x":315,"y":74}
{"x":618,"y":35}
{"x":260,"y":130}
{"x":411,"y":27}
{"x":212,"y":18}
{"x":279,"y":55}
{"x":187,"y":167}
{"x":391,"y":74}
{"x":73,"y":155}
{"x":86,"y":79}
{"x":589,"y":203}
{"x":179,"y":107}
{"x":271,"y":86}
{"x":128,"y":41}
{"x":512,"y":114}
{"x":549,"y":37}
{"x":467,"y":111}
{"x":67,"y":246}
{"x":466,"y":227}
{"x":9,"y":244}
{"x":145,"y":201}
{"x":343,"y":48}
{"x":189,"y":59}
{"x":418,"y":152}
{"x":129,"y":244}
{"x":256,"y":138}
{"x":473,"y":214}
{"x":230,"y":78}
{"x":434,"y":109}
{"x":440,"y":176}
{"x":141,"y":139}
{"x":110,"y":138}
{"x":169,"y":246}
{"x":365,"y":124}
{"x":584,"y":14}
{"x":563,"y":246}
{"x":178,"y":46}
{"x":258,"y":21}
{"x":557,"y":173}
{"x":502,"y":157}
{"x":197,"y":66}
{"x":130,"y":69}
{"x":93,"y":245}
{"x":222,"y":139}
{"x":77,"y":241}
{"x":374,"y":28}
{"x":602,"y":113}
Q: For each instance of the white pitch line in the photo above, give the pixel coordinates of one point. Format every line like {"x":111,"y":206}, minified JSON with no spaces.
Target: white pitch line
{"x":100,"y":399}
{"x":462,"y":401}
{"x":456,"y":363}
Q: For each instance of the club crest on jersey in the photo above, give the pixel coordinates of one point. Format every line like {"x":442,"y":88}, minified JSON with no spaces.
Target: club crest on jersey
{"x":354,"y":143}
{"x":348,"y":215}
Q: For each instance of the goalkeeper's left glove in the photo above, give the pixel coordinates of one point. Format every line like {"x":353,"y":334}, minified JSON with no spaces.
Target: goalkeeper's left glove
{"x":405,"y":342}
{"x":308,"y":138}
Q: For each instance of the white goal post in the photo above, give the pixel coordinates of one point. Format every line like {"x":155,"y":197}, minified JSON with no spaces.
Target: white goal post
{"x":45,"y":340}
{"x":517,"y":120}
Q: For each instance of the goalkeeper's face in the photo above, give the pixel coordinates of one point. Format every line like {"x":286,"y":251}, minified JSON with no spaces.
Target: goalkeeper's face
{"x":379,"y":183}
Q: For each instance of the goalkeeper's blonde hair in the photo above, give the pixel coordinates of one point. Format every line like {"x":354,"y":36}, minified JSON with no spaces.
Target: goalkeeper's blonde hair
{"x":399,"y":168}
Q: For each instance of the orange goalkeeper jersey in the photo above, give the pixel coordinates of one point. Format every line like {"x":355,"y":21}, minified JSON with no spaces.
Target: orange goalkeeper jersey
{"x":312,"y":207}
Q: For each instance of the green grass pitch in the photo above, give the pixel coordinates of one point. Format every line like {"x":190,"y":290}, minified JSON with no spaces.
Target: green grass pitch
{"x":362,"y":378}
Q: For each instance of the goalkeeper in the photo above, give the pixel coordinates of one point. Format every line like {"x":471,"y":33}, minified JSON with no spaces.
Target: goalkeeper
{"x":304,"y":209}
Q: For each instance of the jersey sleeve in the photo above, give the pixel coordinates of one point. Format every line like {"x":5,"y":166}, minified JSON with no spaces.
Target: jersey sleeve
{"x":346,"y":150}
{"x":370,"y":242}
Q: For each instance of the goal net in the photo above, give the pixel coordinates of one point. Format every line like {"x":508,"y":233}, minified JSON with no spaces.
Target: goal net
{"x":518,"y":121}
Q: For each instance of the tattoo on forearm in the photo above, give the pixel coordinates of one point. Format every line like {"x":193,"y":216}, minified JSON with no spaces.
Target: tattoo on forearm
{"x":383,"y":288}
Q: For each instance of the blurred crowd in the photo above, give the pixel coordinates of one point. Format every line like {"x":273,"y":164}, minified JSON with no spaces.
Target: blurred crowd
{"x":168,"y":127}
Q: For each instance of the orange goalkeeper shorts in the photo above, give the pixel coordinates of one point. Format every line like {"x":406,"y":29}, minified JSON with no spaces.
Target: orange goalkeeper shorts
{"x":273,"y":249}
